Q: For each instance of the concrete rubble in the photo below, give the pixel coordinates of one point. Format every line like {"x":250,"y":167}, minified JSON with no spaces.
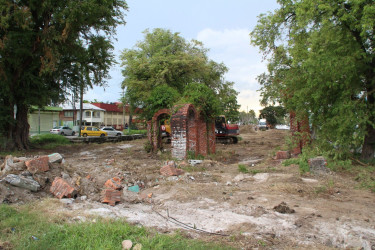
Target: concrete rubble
{"x":22,"y":182}
{"x":40,"y":164}
{"x":171,"y":170}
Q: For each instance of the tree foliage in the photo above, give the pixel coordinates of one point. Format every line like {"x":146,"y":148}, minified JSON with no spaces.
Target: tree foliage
{"x":322,"y":61}
{"x":247,"y":118}
{"x":166,"y":59}
{"x":273,"y":115}
{"x":48,"y":48}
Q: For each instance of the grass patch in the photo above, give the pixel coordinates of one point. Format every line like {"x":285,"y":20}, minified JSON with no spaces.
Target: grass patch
{"x":23,"y":229}
{"x":48,"y":141}
{"x":242,"y":168}
{"x":135,"y":131}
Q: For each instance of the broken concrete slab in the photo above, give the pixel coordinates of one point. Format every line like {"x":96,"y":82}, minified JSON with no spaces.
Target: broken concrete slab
{"x":62,"y":189}
{"x":111,"y":196}
{"x":22,"y":182}
{"x":55,"y":158}
{"x":131,"y":197}
{"x":39,"y":164}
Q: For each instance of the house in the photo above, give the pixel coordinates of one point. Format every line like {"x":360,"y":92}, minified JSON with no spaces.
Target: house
{"x":41,"y":120}
{"x":117,"y":116}
{"x":92,"y":115}
{"x":114,"y":115}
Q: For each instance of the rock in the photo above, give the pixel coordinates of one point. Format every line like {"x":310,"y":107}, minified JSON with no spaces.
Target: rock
{"x":127,"y":244}
{"x":170,"y":163}
{"x":228,"y":183}
{"x":195,"y":162}
{"x":318,"y":165}
{"x":22,"y":182}
{"x":55,"y":158}
{"x":12,"y":165}
{"x":38,"y":165}
{"x":130,"y":197}
{"x":134,"y":189}
{"x":65,"y":176}
{"x":83,"y":197}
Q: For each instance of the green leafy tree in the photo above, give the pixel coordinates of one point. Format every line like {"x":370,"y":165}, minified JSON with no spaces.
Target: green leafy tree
{"x":228,"y":99}
{"x":161,"y":97}
{"x":166,"y":59}
{"x":204,"y":99}
{"x":246,"y":118}
{"x":273,"y":115}
{"x":321,"y":62}
{"x":48,"y":48}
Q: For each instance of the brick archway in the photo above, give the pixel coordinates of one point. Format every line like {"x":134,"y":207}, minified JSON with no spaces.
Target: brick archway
{"x":153,"y":129}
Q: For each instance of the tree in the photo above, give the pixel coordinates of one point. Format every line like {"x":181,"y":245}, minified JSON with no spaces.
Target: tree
{"x":47,"y":49}
{"x":273,"y":115}
{"x":166,"y":59}
{"x":321,"y":62}
{"x":247,"y":118}
{"x":228,"y":100}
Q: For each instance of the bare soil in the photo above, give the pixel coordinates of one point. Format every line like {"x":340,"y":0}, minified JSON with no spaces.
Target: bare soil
{"x":271,"y":206}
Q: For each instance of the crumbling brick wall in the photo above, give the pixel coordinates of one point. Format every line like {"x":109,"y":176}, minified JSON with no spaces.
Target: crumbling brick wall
{"x":190,"y":132}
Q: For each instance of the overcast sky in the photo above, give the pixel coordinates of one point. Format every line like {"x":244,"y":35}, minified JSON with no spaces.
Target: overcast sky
{"x":222,"y":25}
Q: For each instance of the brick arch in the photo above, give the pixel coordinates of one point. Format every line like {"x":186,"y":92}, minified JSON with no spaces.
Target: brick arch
{"x":153,"y":129}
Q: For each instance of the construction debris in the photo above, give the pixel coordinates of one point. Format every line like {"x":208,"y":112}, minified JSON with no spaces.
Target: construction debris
{"x":22,"y":182}
{"x":114,"y":183}
{"x":111,"y":196}
{"x":55,"y":158}
{"x":39,"y":164}
{"x":61,"y":189}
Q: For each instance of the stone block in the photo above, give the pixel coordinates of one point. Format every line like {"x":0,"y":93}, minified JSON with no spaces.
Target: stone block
{"x":55,"y":158}
{"x":111,"y":196}
{"x":38,"y":165}
{"x":62,"y":189}
{"x":114,"y":183}
{"x":282,"y":155}
{"x":22,"y":182}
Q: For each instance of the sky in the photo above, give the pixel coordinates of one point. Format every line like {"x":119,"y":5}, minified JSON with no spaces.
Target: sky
{"x":222,"y":25}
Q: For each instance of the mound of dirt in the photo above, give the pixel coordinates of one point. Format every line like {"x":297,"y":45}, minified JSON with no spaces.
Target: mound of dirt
{"x":246,"y":129}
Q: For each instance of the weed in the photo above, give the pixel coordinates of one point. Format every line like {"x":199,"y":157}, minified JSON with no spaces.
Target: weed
{"x":242,"y":168}
{"x":147,"y":147}
{"x":30,"y":229}
{"x":134,"y":131}
{"x":255,"y":171}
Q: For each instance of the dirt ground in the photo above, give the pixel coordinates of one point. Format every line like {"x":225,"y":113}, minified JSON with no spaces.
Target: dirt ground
{"x":271,"y":206}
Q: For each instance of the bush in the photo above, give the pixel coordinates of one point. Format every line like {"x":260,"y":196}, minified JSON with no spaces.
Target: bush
{"x":242,"y":168}
{"x":49,"y":139}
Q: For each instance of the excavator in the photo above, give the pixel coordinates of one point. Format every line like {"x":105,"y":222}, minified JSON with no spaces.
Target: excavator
{"x":224,"y":132}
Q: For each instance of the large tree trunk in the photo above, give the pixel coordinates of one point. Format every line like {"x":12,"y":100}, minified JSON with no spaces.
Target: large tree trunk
{"x":368,"y":148}
{"x":18,"y":135}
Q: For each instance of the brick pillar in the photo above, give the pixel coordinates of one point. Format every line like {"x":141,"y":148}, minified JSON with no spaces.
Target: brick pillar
{"x":300,"y":129}
{"x":202,"y":137}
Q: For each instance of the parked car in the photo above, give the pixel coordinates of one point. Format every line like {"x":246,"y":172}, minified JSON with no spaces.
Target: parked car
{"x":62,"y":130}
{"x":111,"y":131}
{"x":92,"y":131}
